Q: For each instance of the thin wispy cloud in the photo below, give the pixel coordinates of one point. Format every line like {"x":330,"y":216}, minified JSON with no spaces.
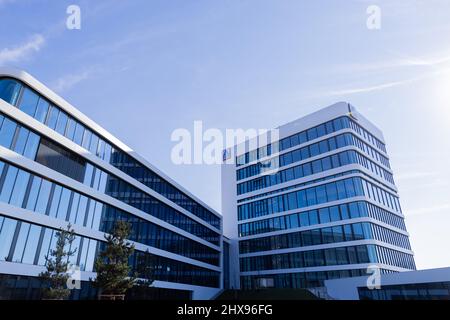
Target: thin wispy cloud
{"x":428,"y":210}
{"x":68,"y":81}
{"x":387,"y":85}
{"x":415,"y":175}
{"x":23,"y":51}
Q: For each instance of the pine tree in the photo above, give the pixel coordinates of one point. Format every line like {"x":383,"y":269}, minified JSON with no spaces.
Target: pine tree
{"x":113,"y":270}
{"x":57,"y":264}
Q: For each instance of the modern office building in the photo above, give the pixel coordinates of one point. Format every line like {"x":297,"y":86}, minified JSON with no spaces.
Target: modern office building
{"x":319,"y":203}
{"x":58,"y":166}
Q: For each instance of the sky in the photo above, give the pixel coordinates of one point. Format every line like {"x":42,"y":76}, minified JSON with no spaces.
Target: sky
{"x":144,"y":68}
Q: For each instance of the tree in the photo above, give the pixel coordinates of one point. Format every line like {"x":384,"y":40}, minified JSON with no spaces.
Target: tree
{"x":113,"y":271}
{"x":57,"y":264}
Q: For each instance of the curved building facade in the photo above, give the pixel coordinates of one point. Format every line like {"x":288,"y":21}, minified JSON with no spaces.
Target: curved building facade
{"x":57,"y":166}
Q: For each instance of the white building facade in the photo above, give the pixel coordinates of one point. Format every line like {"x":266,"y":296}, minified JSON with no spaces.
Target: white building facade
{"x":320,"y":203}
{"x":57,"y":166}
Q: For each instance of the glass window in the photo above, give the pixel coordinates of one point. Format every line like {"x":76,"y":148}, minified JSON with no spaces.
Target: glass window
{"x":292,"y":200}
{"x":313,"y":217}
{"x":334,"y":213}
{"x":321,"y":194}
{"x":8,"y":184}
{"x":55,"y":201}
{"x":41,"y":110}
{"x":338,"y":234}
{"x":358,"y":231}
{"x":304,"y":219}
{"x":20,"y":140}
{"x":20,"y":242}
{"x":34,"y":192}
{"x":48,"y":235}
{"x":64,"y":204}
{"x":293,"y":221}
{"x":324,"y":215}
{"x":62,"y":123}
{"x":342,"y":194}
{"x":20,"y":188}
{"x":331,"y":192}
{"x":6,"y":237}
{"x":321,"y":130}
{"x":79,"y":132}
{"x":326,"y":164}
{"x":52,"y":118}
{"x":7,"y":133}
{"x":344,"y":211}
{"x":307,"y":171}
{"x":312,"y":133}
{"x":10,"y":90}
{"x":31,"y":245}
{"x":317,"y":166}
{"x":28,"y":102}
{"x":311,"y":196}
{"x":44,"y":195}
{"x":31,"y":146}
{"x":314,"y":149}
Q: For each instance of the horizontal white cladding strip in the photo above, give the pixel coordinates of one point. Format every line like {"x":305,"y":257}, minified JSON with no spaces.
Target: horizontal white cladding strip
{"x":368,"y":175}
{"x":53,"y":135}
{"x":59,"y":178}
{"x":75,"y":113}
{"x":343,"y":131}
{"x":325,"y":225}
{"x":46,"y":221}
{"x":21,"y":269}
{"x":326,"y":246}
{"x":327,"y":268}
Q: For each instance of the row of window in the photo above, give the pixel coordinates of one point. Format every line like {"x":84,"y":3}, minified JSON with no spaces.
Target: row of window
{"x":367,"y":135}
{"x":29,"y":244}
{"x":338,"y":190}
{"x":352,"y":210}
{"x":313,"y":167}
{"x":389,"y":236}
{"x":413,"y":291}
{"x":381,"y":196}
{"x":69,"y":164}
{"x":30,"y":102}
{"x":294,"y":140}
{"x":370,"y":151}
{"x":22,"y":189}
{"x":299,"y":185}
{"x":18,"y":138}
{"x":311,"y":258}
{"x":299,"y":280}
{"x":333,"y":191}
{"x":155,"y":236}
{"x":315,"y":149}
{"x":329,"y":257}
{"x":395,"y":258}
{"x":341,"y":233}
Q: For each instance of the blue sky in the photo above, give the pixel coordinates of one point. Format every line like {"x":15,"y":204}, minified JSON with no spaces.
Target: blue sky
{"x":144,"y":68}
